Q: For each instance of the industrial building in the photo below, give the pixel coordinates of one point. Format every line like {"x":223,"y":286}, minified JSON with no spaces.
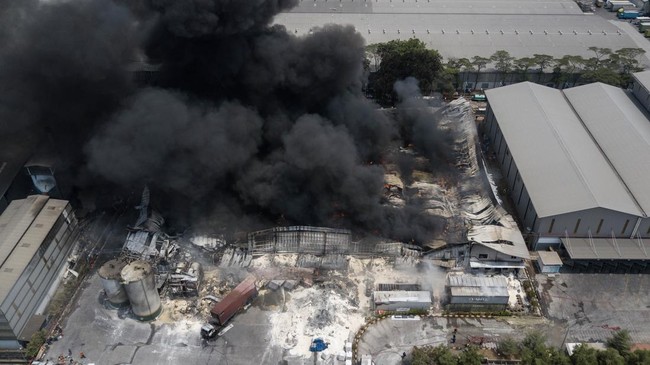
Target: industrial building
{"x":548,"y":262}
{"x":576,"y":165}
{"x":37,"y":235}
{"x":469,"y":293}
{"x":401,"y":300}
{"x":471,"y":28}
{"x":496,"y":247}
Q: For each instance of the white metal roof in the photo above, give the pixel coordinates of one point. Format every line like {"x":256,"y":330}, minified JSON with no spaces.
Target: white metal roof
{"x":621,"y":130}
{"x":402,"y":296}
{"x":607,"y":248}
{"x":559,"y":7}
{"x":482,"y":281}
{"x":561,"y":166}
{"x":643,"y":78}
{"x":508,"y":241}
{"x":467,"y":33}
{"x":23,"y":227}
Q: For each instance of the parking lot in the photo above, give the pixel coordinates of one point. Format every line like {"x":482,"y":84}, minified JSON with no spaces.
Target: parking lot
{"x":592,"y":306}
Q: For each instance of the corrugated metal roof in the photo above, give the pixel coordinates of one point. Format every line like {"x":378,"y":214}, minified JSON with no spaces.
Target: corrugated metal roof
{"x":560,"y":7}
{"x":607,"y":248}
{"x":505,"y":240}
{"x":621,"y":130}
{"x":28,"y":223}
{"x":479,"y":281}
{"x":402,"y":296}
{"x":472,"y":32}
{"x":561,"y":166}
{"x":478,"y":291}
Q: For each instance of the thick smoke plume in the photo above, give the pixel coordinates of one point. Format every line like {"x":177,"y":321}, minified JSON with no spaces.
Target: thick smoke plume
{"x":242,"y":123}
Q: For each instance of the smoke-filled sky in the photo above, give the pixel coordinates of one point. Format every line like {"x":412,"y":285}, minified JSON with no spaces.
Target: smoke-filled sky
{"x":246,"y":123}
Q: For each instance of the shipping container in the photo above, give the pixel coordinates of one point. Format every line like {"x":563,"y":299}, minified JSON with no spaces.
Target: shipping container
{"x":243,"y":294}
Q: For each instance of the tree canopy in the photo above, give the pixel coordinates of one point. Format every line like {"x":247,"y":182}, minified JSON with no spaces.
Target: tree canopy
{"x":399,"y":60}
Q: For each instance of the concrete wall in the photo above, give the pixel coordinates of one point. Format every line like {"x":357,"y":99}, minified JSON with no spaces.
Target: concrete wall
{"x":642,"y":94}
{"x":402,"y":306}
{"x":32,"y":286}
{"x":547,"y":268}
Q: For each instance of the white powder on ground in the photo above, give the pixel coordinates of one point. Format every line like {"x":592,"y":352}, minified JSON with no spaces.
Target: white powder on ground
{"x":313,"y":313}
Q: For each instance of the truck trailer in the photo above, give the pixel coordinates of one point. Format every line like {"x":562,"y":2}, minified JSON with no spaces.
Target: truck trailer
{"x":615,"y":5}
{"x":243,"y":294}
{"x":627,"y":14}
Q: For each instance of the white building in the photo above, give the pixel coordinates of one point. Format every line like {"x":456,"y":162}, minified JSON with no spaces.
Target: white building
{"x":576,"y":164}
{"x":36,"y":237}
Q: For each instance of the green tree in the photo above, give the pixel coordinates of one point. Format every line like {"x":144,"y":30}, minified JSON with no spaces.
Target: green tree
{"x":620,"y":341}
{"x":639,"y":357}
{"x":543,"y":61}
{"x":601,"y":54}
{"x":470,"y":356}
{"x":402,"y":59}
{"x":508,"y":347}
{"x":584,"y":355}
{"x":502,"y":62}
{"x":429,"y":355}
{"x":610,"y":357}
{"x":479,"y":64}
{"x":35,"y":343}
{"x":570,"y":67}
{"x":523,"y":65}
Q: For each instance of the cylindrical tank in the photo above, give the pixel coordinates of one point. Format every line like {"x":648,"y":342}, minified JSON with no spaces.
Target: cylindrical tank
{"x":140,"y":285}
{"x":109,"y":274}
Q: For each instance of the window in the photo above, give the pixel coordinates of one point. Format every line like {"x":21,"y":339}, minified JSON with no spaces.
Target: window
{"x":600,"y":225}
{"x":575,"y":230}
{"x":482,"y":256}
{"x":627,"y":221}
{"x":550,"y":228}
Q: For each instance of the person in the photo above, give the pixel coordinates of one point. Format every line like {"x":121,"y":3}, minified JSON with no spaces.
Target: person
{"x":82,"y":355}
{"x":403,"y":354}
{"x":69,"y":352}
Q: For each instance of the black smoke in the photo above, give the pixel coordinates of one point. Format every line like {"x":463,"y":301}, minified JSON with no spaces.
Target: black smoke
{"x":246,"y":123}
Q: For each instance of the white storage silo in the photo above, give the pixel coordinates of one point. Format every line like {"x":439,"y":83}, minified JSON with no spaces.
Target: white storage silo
{"x":109,"y":274}
{"x":140,"y":285}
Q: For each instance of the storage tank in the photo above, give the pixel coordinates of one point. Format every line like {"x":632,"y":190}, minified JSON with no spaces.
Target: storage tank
{"x":109,"y":274}
{"x":140,"y":285}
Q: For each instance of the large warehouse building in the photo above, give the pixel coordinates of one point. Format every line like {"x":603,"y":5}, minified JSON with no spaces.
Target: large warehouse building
{"x":36,"y":237}
{"x":577,"y":168}
{"x":472,"y":27}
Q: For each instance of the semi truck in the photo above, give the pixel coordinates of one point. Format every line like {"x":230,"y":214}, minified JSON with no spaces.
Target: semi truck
{"x":229,"y":306}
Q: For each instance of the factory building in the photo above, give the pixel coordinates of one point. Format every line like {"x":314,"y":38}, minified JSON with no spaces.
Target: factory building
{"x":401,"y":300}
{"x":496,"y":247}
{"x":576,"y":165}
{"x":36,"y":237}
{"x":548,"y":262}
{"x":469,"y":293}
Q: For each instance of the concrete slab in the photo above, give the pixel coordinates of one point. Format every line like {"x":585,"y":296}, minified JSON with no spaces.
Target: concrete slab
{"x":593,"y":306}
